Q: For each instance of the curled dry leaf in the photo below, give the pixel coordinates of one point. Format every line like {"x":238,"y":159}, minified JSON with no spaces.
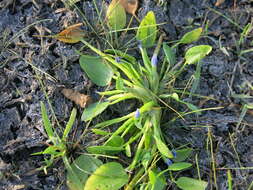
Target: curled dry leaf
{"x":80,"y":99}
{"x":219,"y":2}
{"x":72,"y":34}
{"x":130,"y":6}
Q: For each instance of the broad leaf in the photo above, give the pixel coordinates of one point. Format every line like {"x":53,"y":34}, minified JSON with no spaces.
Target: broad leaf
{"x":191,"y":36}
{"x":80,"y":168}
{"x":187,"y":183}
{"x":182,"y":154}
{"x":97,"y":69}
{"x":147,"y":30}
{"x":116,"y":141}
{"x":179,"y":166}
{"x":93,"y":110}
{"x":158,"y":182}
{"x":196,"y":53}
{"x":110,"y":176}
{"x":116,"y":15}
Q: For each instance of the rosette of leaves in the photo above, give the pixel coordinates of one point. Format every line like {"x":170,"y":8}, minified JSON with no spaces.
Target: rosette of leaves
{"x":139,"y":134}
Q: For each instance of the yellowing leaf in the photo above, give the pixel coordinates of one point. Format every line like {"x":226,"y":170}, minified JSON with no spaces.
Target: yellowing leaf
{"x":80,"y":99}
{"x":72,"y":34}
{"x":109,"y":176}
{"x":147,"y":30}
{"x":191,"y":36}
{"x":116,"y":15}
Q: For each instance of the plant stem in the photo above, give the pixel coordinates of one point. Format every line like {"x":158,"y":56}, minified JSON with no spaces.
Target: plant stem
{"x":135,"y":179}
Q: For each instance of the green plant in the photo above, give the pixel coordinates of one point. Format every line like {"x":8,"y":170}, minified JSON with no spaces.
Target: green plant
{"x":58,"y":148}
{"x":139,"y":133}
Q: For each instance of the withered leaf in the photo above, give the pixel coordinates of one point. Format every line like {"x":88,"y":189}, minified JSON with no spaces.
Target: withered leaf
{"x":71,"y":34}
{"x":130,"y":6}
{"x":80,"y":99}
{"x":219,"y":2}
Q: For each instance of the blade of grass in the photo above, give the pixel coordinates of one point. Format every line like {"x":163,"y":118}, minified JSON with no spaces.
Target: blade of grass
{"x":69,"y":124}
{"x":229,"y":175}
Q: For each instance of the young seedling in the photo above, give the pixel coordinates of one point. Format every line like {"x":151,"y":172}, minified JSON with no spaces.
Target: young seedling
{"x":58,"y":146}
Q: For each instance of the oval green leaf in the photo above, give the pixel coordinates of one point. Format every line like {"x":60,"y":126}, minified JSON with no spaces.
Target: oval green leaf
{"x":93,"y":110}
{"x":187,"y":183}
{"x":80,"y":168}
{"x":116,"y":16}
{"x":97,"y":69}
{"x":191,"y":36}
{"x":179,"y":166}
{"x":147,"y":30}
{"x":110,"y":176}
{"x":196,"y":53}
{"x":116,"y":141}
{"x":182,"y":154}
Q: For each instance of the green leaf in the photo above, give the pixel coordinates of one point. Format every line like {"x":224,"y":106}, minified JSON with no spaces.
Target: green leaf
{"x":46,"y":122}
{"x":69,"y":124}
{"x":128,"y":150}
{"x":170,"y":55}
{"x":97,"y":69}
{"x":179,"y":166}
{"x":110,"y":176}
{"x":147,"y":30}
{"x":116,"y":16}
{"x":100,"y":132}
{"x":187,"y":183}
{"x":158,"y":182}
{"x":108,"y":150}
{"x":145,"y":159}
{"x":119,"y":83}
{"x":79,"y":171}
{"x":196,"y":53}
{"x":116,"y":141}
{"x":93,"y":110}
{"x":122,"y":55}
{"x":182,"y":154}
{"x":163,"y":149}
{"x":191,"y":36}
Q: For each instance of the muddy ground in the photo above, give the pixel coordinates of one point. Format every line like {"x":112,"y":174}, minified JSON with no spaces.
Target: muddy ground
{"x":224,"y":74}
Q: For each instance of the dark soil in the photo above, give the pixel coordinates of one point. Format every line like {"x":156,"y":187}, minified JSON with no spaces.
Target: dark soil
{"x":223,"y":74}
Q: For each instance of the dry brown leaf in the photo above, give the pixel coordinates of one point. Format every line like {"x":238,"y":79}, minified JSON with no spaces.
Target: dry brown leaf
{"x":80,"y":99}
{"x":72,"y":34}
{"x":129,"y":5}
{"x":219,"y":2}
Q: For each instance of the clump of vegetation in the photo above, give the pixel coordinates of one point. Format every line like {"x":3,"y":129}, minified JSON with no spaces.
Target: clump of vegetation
{"x":138,"y":135}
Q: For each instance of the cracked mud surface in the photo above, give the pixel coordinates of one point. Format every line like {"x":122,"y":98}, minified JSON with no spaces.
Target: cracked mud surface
{"x":223,"y":74}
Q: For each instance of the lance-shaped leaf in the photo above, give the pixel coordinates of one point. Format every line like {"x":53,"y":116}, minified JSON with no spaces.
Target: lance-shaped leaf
{"x":147,"y":30}
{"x":72,"y":34}
{"x":191,"y":36}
